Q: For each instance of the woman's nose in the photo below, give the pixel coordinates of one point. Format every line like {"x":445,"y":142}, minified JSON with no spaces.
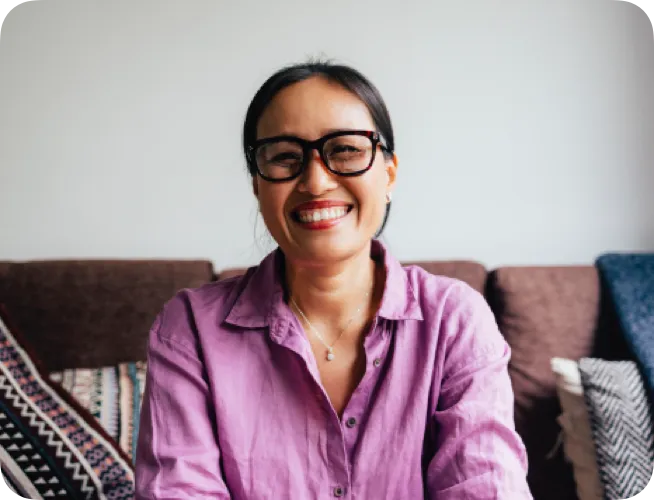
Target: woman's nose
{"x":316,"y":178}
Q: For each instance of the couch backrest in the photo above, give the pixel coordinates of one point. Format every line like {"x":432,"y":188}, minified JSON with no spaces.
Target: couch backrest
{"x":4,"y":269}
{"x":473,"y":273}
{"x":79,"y":314}
{"x":544,"y":312}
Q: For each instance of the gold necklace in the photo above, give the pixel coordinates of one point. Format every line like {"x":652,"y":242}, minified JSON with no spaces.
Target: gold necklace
{"x":330,"y":348}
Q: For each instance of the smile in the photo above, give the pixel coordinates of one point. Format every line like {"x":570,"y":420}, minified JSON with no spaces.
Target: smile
{"x":322,"y":214}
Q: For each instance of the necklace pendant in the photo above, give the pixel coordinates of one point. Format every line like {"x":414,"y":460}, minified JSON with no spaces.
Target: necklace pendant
{"x":330,"y":355}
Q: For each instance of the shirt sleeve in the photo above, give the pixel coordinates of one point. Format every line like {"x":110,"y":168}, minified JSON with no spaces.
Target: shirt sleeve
{"x":177,"y":454}
{"x":479,"y":455}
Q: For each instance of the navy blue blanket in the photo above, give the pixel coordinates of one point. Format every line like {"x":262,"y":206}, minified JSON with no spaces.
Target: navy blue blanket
{"x":629,"y":279}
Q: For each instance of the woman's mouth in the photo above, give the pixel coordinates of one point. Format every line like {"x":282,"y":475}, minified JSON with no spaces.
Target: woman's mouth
{"x":321,"y":218}
{"x":321,"y":214}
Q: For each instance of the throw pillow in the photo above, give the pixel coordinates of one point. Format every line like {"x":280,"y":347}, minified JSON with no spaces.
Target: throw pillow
{"x":578,"y":443}
{"x":49,"y":445}
{"x":621,"y":422}
{"x":112,"y":395}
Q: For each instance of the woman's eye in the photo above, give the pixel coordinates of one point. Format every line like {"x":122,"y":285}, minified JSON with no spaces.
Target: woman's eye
{"x":344,"y":149}
{"x":286,"y":158}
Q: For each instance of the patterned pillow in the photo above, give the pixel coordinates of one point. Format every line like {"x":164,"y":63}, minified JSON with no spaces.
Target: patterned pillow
{"x":49,"y":445}
{"x":112,"y":395}
{"x":621,"y":423}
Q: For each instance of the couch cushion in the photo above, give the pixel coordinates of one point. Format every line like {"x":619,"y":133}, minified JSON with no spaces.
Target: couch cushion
{"x":617,"y":399}
{"x":49,"y":445}
{"x":472,"y":273}
{"x":113,"y":395}
{"x":90,"y":314}
{"x":544,"y":312}
{"x":4,"y":269}
{"x":578,"y":442}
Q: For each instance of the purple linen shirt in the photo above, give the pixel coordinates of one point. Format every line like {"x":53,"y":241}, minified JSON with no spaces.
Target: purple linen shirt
{"x":234,"y":407}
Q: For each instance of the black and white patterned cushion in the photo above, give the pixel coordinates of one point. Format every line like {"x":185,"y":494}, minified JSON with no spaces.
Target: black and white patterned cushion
{"x":621,"y":422}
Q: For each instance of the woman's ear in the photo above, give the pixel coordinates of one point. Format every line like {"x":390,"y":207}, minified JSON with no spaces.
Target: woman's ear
{"x":391,"y":171}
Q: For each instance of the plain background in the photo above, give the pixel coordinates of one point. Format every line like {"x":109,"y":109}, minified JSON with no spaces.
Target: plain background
{"x":525,"y":130}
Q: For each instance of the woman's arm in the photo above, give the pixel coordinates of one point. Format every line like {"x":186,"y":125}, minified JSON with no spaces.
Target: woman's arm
{"x":177,"y":453}
{"x":479,"y":455}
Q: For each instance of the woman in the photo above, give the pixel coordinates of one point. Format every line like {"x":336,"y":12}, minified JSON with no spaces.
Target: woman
{"x":328,"y":370}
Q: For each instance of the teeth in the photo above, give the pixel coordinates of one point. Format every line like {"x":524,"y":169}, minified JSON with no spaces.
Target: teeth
{"x":324,"y":214}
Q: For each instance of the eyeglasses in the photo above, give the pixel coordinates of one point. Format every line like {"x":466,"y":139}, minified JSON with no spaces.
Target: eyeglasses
{"x":347,"y":153}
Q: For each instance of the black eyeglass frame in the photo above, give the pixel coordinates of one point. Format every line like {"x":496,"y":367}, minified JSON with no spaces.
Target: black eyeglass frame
{"x":307,"y":146}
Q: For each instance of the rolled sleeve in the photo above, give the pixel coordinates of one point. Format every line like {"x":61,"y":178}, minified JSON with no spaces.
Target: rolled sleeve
{"x":479,"y":455}
{"x":177,"y":453}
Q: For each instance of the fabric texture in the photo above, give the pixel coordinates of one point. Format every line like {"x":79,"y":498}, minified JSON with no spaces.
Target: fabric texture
{"x":629,"y":280}
{"x":621,"y":423}
{"x":90,"y":314}
{"x":234,"y":406}
{"x":577,"y":433}
{"x":544,"y":312}
{"x":4,"y":270}
{"x":112,"y":395}
{"x":50,"y":447}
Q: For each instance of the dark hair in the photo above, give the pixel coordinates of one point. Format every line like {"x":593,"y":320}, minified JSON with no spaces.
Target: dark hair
{"x":347,"y":77}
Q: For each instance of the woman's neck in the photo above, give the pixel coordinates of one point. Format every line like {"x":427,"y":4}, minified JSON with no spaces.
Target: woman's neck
{"x":331,"y":294}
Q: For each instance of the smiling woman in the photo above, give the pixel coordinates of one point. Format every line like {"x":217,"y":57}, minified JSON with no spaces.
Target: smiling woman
{"x":328,"y":123}
{"x":329,"y":369}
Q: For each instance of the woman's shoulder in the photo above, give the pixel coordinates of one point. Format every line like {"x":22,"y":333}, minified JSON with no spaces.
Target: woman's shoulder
{"x":450,"y":302}
{"x":458,"y":314}
{"x":435,"y":291}
{"x":190,"y":309}
{"x":210,"y":296}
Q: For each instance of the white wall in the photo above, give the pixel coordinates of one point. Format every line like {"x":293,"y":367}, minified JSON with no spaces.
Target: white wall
{"x":525,"y":129}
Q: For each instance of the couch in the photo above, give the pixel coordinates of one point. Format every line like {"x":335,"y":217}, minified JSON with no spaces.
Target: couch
{"x":94,"y":313}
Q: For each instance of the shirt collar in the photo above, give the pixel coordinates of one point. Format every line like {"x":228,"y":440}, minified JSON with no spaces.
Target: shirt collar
{"x":399,"y":300}
{"x":262,"y":294}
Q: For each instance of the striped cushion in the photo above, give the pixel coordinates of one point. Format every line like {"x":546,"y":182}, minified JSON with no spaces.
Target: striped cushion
{"x":51,"y":447}
{"x":112,"y":395}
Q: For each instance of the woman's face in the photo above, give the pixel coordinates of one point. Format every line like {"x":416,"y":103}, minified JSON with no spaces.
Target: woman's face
{"x":309,"y":110}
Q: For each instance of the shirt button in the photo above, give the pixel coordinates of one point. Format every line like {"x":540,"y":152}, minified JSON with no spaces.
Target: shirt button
{"x":351,"y":422}
{"x":339,"y":492}
{"x":377,"y":362}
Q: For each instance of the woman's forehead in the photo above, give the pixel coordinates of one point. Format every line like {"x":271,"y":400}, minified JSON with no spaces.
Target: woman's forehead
{"x":313,"y":108}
